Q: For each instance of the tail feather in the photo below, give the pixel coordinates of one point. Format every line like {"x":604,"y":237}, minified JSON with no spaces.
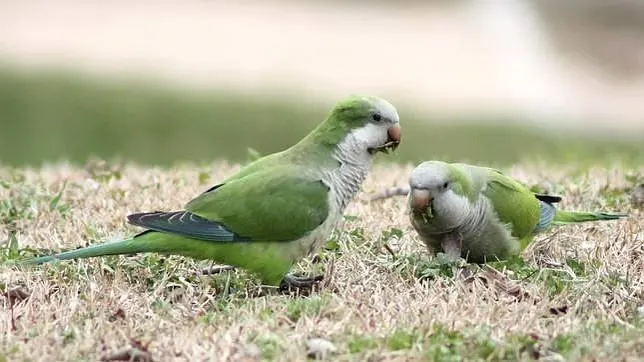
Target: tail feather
{"x":571,"y":217}
{"x":110,"y":248}
{"x":142,"y":243}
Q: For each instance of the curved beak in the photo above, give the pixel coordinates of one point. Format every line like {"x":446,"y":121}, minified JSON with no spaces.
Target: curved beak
{"x":394,"y":134}
{"x":393,"y":140}
{"x":420,"y":200}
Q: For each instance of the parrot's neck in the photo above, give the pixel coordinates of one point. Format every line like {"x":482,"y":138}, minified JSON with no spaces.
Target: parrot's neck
{"x":456,"y":213}
{"x":477,"y":218}
{"x":354,"y":163}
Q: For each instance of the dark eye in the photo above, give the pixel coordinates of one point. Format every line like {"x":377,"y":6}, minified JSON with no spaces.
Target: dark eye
{"x":376,"y":117}
{"x":445,"y":185}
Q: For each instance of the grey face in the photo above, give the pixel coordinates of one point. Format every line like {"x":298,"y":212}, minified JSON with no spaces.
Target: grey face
{"x":383,"y":132}
{"x":428,"y":181}
{"x":432,"y":176}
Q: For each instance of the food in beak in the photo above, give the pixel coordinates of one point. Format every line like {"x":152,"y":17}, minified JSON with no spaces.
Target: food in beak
{"x":420,"y":200}
{"x":393,"y":140}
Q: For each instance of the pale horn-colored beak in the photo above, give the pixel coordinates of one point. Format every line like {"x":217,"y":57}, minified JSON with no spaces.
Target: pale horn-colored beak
{"x":420,"y":200}
{"x":394,"y":134}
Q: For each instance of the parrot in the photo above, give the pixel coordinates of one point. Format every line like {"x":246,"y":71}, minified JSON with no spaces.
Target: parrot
{"x":478,"y":213}
{"x":275,"y":210}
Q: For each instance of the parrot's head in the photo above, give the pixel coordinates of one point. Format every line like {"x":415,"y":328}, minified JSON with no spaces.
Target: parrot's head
{"x":436,"y":191}
{"x":371,"y":124}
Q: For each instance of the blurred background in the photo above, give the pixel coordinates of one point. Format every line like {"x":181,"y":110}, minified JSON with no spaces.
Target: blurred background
{"x":158,"y":82}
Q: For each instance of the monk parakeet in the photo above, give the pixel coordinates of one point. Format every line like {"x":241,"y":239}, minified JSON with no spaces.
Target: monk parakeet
{"x":278,"y":208}
{"x":478,"y":213}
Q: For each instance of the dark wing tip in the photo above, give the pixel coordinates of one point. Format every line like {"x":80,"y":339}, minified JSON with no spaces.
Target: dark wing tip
{"x":548,"y":198}
{"x":213,"y":188}
{"x":184,"y":223}
{"x":138,"y":218}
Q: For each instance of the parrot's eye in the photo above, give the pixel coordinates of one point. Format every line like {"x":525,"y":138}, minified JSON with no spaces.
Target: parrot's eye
{"x":445,"y":185}
{"x":376,"y":117}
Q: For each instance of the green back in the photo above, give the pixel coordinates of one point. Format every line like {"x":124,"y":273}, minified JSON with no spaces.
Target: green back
{"x":280,"y":203}
{"x":468,"y":180}
{"x":514,"y":203}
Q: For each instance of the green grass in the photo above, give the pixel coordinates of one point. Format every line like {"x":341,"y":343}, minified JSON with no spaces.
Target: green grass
{"x":582,"y":284}
{"x":54,"y":115}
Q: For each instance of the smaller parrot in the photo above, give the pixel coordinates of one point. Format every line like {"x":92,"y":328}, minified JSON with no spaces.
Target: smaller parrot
{"x":275,"y":210}
{"x":478,"y":213}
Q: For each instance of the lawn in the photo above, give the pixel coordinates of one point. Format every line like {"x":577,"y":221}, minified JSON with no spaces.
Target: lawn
{"x":573,"y":295}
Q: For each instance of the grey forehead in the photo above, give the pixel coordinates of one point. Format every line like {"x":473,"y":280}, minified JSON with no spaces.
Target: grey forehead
{"x":427,"y":175}
{"x":385,"y":108}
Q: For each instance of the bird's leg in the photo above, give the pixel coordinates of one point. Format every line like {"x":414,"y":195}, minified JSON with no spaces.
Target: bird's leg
{"x":451,"y":246}
{"x":293,"y":282}
{"x":216,"y":269}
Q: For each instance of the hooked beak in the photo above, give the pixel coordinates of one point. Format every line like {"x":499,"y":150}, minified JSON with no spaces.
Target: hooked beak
{"x":393,"y":140}
{"x":420,"y":200}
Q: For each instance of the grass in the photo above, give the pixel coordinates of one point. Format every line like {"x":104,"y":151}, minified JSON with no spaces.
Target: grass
{"x":53,"y":115}
{"x":580,"y":286}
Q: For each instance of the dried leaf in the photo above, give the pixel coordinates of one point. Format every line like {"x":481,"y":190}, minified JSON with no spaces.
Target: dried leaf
{"x":119,"y":314}
{"x":16,"y":295}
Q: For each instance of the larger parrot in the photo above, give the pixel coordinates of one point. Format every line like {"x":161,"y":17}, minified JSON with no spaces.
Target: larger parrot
{"x":277,"y":209}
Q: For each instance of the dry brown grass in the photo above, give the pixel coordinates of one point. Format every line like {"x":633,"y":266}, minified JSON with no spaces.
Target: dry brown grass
{"x":370,"y":307}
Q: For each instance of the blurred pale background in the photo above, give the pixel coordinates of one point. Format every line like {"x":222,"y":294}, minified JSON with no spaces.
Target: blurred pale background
{"x":474,"y":80}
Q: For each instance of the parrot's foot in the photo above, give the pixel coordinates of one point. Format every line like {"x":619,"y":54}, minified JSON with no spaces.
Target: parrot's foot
{"x":217,"y":269}
{"x":291,"y":282}
{"x":451,"y":247}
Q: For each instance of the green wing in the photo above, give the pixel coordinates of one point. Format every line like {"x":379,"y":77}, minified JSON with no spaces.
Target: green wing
{"x":513,"y":202}
{"x":277,"y":204}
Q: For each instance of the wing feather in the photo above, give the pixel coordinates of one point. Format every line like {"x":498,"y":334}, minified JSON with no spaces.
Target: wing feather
{"x":514,"y":203}
{"x":185,"y":223}
{"x":276,"y":204}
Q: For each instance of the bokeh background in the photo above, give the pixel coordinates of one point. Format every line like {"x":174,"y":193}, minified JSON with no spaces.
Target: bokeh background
{"x":158,"y":82}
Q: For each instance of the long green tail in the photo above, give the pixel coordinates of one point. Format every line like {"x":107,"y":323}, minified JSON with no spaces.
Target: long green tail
{"x":571,"y":217}
{"x":143,"y":243}
{"x":270,"y":260}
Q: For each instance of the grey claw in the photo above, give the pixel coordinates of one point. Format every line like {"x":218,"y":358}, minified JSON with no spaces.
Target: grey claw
{"x":293,"y":282}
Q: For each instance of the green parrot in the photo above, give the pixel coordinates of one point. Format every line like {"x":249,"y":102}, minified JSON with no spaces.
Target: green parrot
{"x":278,"y":208}
{"x":478,"y":213}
